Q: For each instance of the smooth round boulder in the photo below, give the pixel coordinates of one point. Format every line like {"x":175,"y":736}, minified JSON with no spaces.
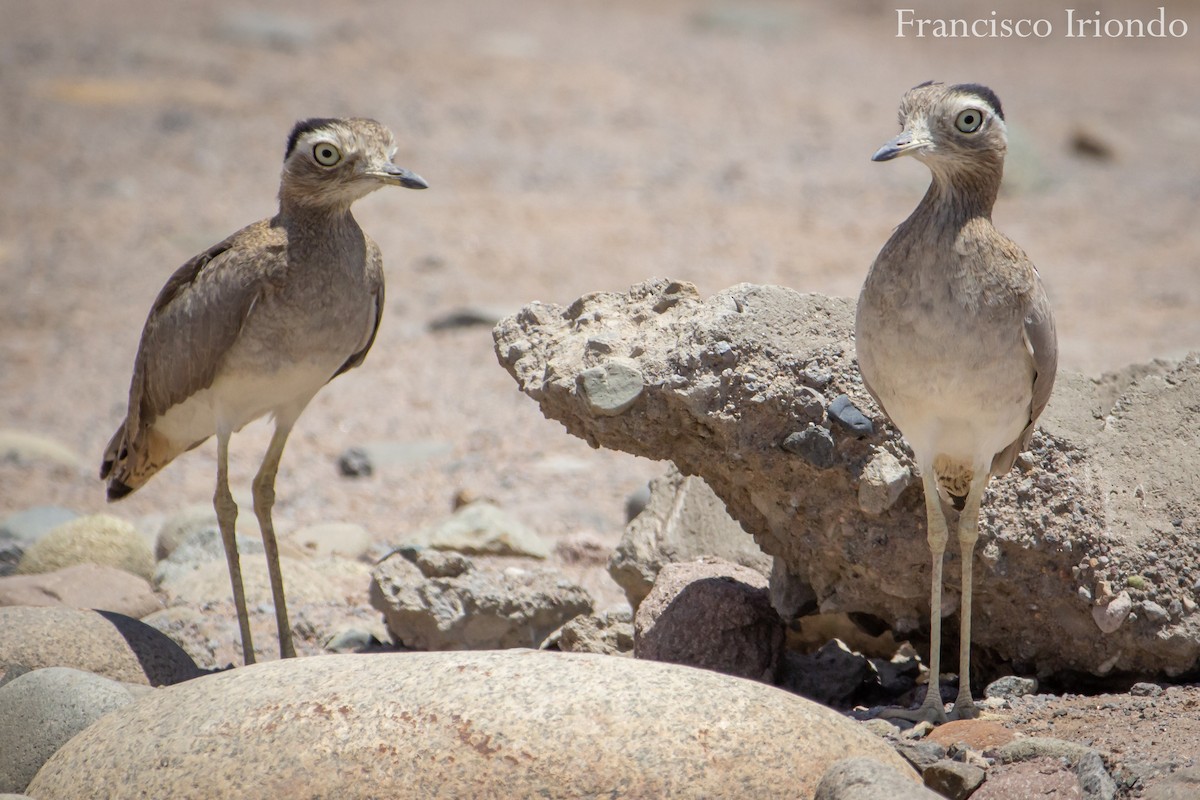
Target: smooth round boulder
{"x":103,"y":642}
{"x":508,"y":723}
{"x":94,"y":539}
{"x":41,"y":710}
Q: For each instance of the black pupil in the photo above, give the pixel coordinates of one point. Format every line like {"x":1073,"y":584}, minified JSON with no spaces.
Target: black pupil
{"x":969,"y":119}
{"x":326,"y":153}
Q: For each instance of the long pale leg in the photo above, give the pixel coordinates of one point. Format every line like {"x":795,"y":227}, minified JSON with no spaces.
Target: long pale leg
{"x":264,"y":499}
{"x":227,"y":512}
{"x":932,"y":709}
{"x":968,"y":534}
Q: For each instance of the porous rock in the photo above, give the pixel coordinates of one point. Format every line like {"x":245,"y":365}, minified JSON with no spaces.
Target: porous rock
{"x":41,"y":710}
{"x":94,"y":539}
{"x":102,"y":642}
{"x":1104,"y":492}
{"x":713,"y":614}
{"x":453,"y":725}
{"x":446,"y":602}
{"x":682,"y":521}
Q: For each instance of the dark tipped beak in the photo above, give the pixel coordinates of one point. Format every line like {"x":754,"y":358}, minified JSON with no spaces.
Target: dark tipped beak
{"x":902,"y":145}
{"x":399,"y":176}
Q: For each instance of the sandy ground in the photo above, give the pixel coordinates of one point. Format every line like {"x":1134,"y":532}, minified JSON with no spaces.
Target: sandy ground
{"x":571,"y":147}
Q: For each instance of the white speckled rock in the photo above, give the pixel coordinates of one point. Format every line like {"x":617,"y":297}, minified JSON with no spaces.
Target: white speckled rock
{"x":94,"y":539}
{"x":41,"y":710}
{"x":513,"y":723}
{"x":103,"y":642}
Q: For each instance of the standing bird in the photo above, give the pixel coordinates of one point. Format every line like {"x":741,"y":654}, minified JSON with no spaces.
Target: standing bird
{"x":955,"y":336}
{"x":258,"y":324}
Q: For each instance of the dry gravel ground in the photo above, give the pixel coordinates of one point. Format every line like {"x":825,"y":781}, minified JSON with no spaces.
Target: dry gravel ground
{"x":571,"y":147}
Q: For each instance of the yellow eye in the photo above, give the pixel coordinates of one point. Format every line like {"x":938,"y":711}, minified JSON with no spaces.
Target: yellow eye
{"x":326,"y":154}
{"x":969,"y":120}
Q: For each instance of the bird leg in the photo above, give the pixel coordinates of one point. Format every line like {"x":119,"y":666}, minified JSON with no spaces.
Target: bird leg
{"x":227,"y":512}
{"x":932,"y":709}
{"x":968,"y":534}
{"x":264,"y":499}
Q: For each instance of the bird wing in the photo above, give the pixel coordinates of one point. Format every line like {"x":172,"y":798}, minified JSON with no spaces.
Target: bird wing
{"x":198,"y":316}
{"x":1041,"y":341}
{"x":375,"y":275}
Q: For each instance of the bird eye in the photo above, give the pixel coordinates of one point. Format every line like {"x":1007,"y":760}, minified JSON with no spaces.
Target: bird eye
{"x":968,"y":121}
{"x":326,"y":154}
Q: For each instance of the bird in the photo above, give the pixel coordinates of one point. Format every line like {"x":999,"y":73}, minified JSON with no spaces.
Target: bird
{"x":256,"y":325}
{"x":955,"y":337}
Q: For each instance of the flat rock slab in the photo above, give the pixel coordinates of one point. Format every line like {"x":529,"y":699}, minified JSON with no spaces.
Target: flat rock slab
{"x":82,"y":586}
{"x":514,"y":723}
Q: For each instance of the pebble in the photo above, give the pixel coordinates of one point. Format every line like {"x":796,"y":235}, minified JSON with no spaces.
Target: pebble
{"x":952,"y":779}
{"x":844,"y":412}
{"x":94,"y":539}
{"x":1145,"y":690}
{"x":23,"y":447}
{"x":883,"y":480}
{"x":862,"y":778}
{"x":26,"y":527}
{"x":41,"y":710}
{"x":814,"y":444}
{"x":611,"y":388}
{"x":333,"y":539}
{"x":468,"y":317}
{"x":1011,"y":686}
{"x":483,"y":528}
{"x":355,"y":463}
{"x":1109,"y":617}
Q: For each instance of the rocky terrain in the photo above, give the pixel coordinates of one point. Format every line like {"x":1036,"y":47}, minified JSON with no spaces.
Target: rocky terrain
{"x":575,"y":149}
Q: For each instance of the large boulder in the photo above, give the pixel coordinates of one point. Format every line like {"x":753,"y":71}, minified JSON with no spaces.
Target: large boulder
{"x":757,"y":391}
{"x":514,"y":723}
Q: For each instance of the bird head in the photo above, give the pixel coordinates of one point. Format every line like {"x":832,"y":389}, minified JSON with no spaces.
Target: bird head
{"x":333,"y":162}
{"x":950,"y":127}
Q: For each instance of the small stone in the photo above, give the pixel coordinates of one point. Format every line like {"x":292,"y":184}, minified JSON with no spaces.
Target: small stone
{"x":636,"y":501}
{"x":438,"y":563}
{"x":923,"y":754}
{"x":469,"y":317}
{"x":1145,"y":690}
{"x":1010,"y":687}
{"x":612,"y":387}
{"x":843,"y":412}
{"x":1154,"y":612}
{"x":868,"y":779}
{"x":333,"y":540}
{"x":816,"y":377}
{"x":814,"y":444}
{"x":952,"y":779}
{"x":809,"y":405}
{"x":1136,"y":582}
{"x":484,"y":528}
{"x":94,"y":539}
{"x":1094,"y":779}
{"x":1108,"y":618}
{"x":355,"y":463}
{"x":883,"y":480}
{"x":26,"y":527}
{"x":1175,"y":608}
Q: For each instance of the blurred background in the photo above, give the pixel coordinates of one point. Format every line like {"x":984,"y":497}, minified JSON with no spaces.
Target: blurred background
{"x":570,"y":146}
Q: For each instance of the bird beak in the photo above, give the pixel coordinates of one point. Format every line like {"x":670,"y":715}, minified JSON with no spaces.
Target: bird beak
{"x":398,"y":176}
{"x":905,"y":144}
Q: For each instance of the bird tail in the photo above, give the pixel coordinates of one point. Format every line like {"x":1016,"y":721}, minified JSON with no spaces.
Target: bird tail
{"x":128,"y":463}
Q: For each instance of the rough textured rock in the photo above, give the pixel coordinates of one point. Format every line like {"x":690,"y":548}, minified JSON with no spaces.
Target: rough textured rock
{"x":82,"y":586}
{"x":454,"y":725}
{"x":101,"y":642}
{"x":483,"y":528}
{"x":682,"y":520}
{"x":952,"y":779}
{"x":712,"y":614}
{"x":442,"y":601}
{"x":1101,"y":503}
{"x":831,"y":675}
{"x":41,"y":710}
{"x":1181,"y":785}
{"x":860,"y":778}
{"x":608,"y":632}
{"x":94,"y":539}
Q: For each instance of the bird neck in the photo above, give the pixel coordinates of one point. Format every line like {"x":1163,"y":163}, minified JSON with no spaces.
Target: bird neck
{"x":958,"y":195}
{"x":300,"y":218}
